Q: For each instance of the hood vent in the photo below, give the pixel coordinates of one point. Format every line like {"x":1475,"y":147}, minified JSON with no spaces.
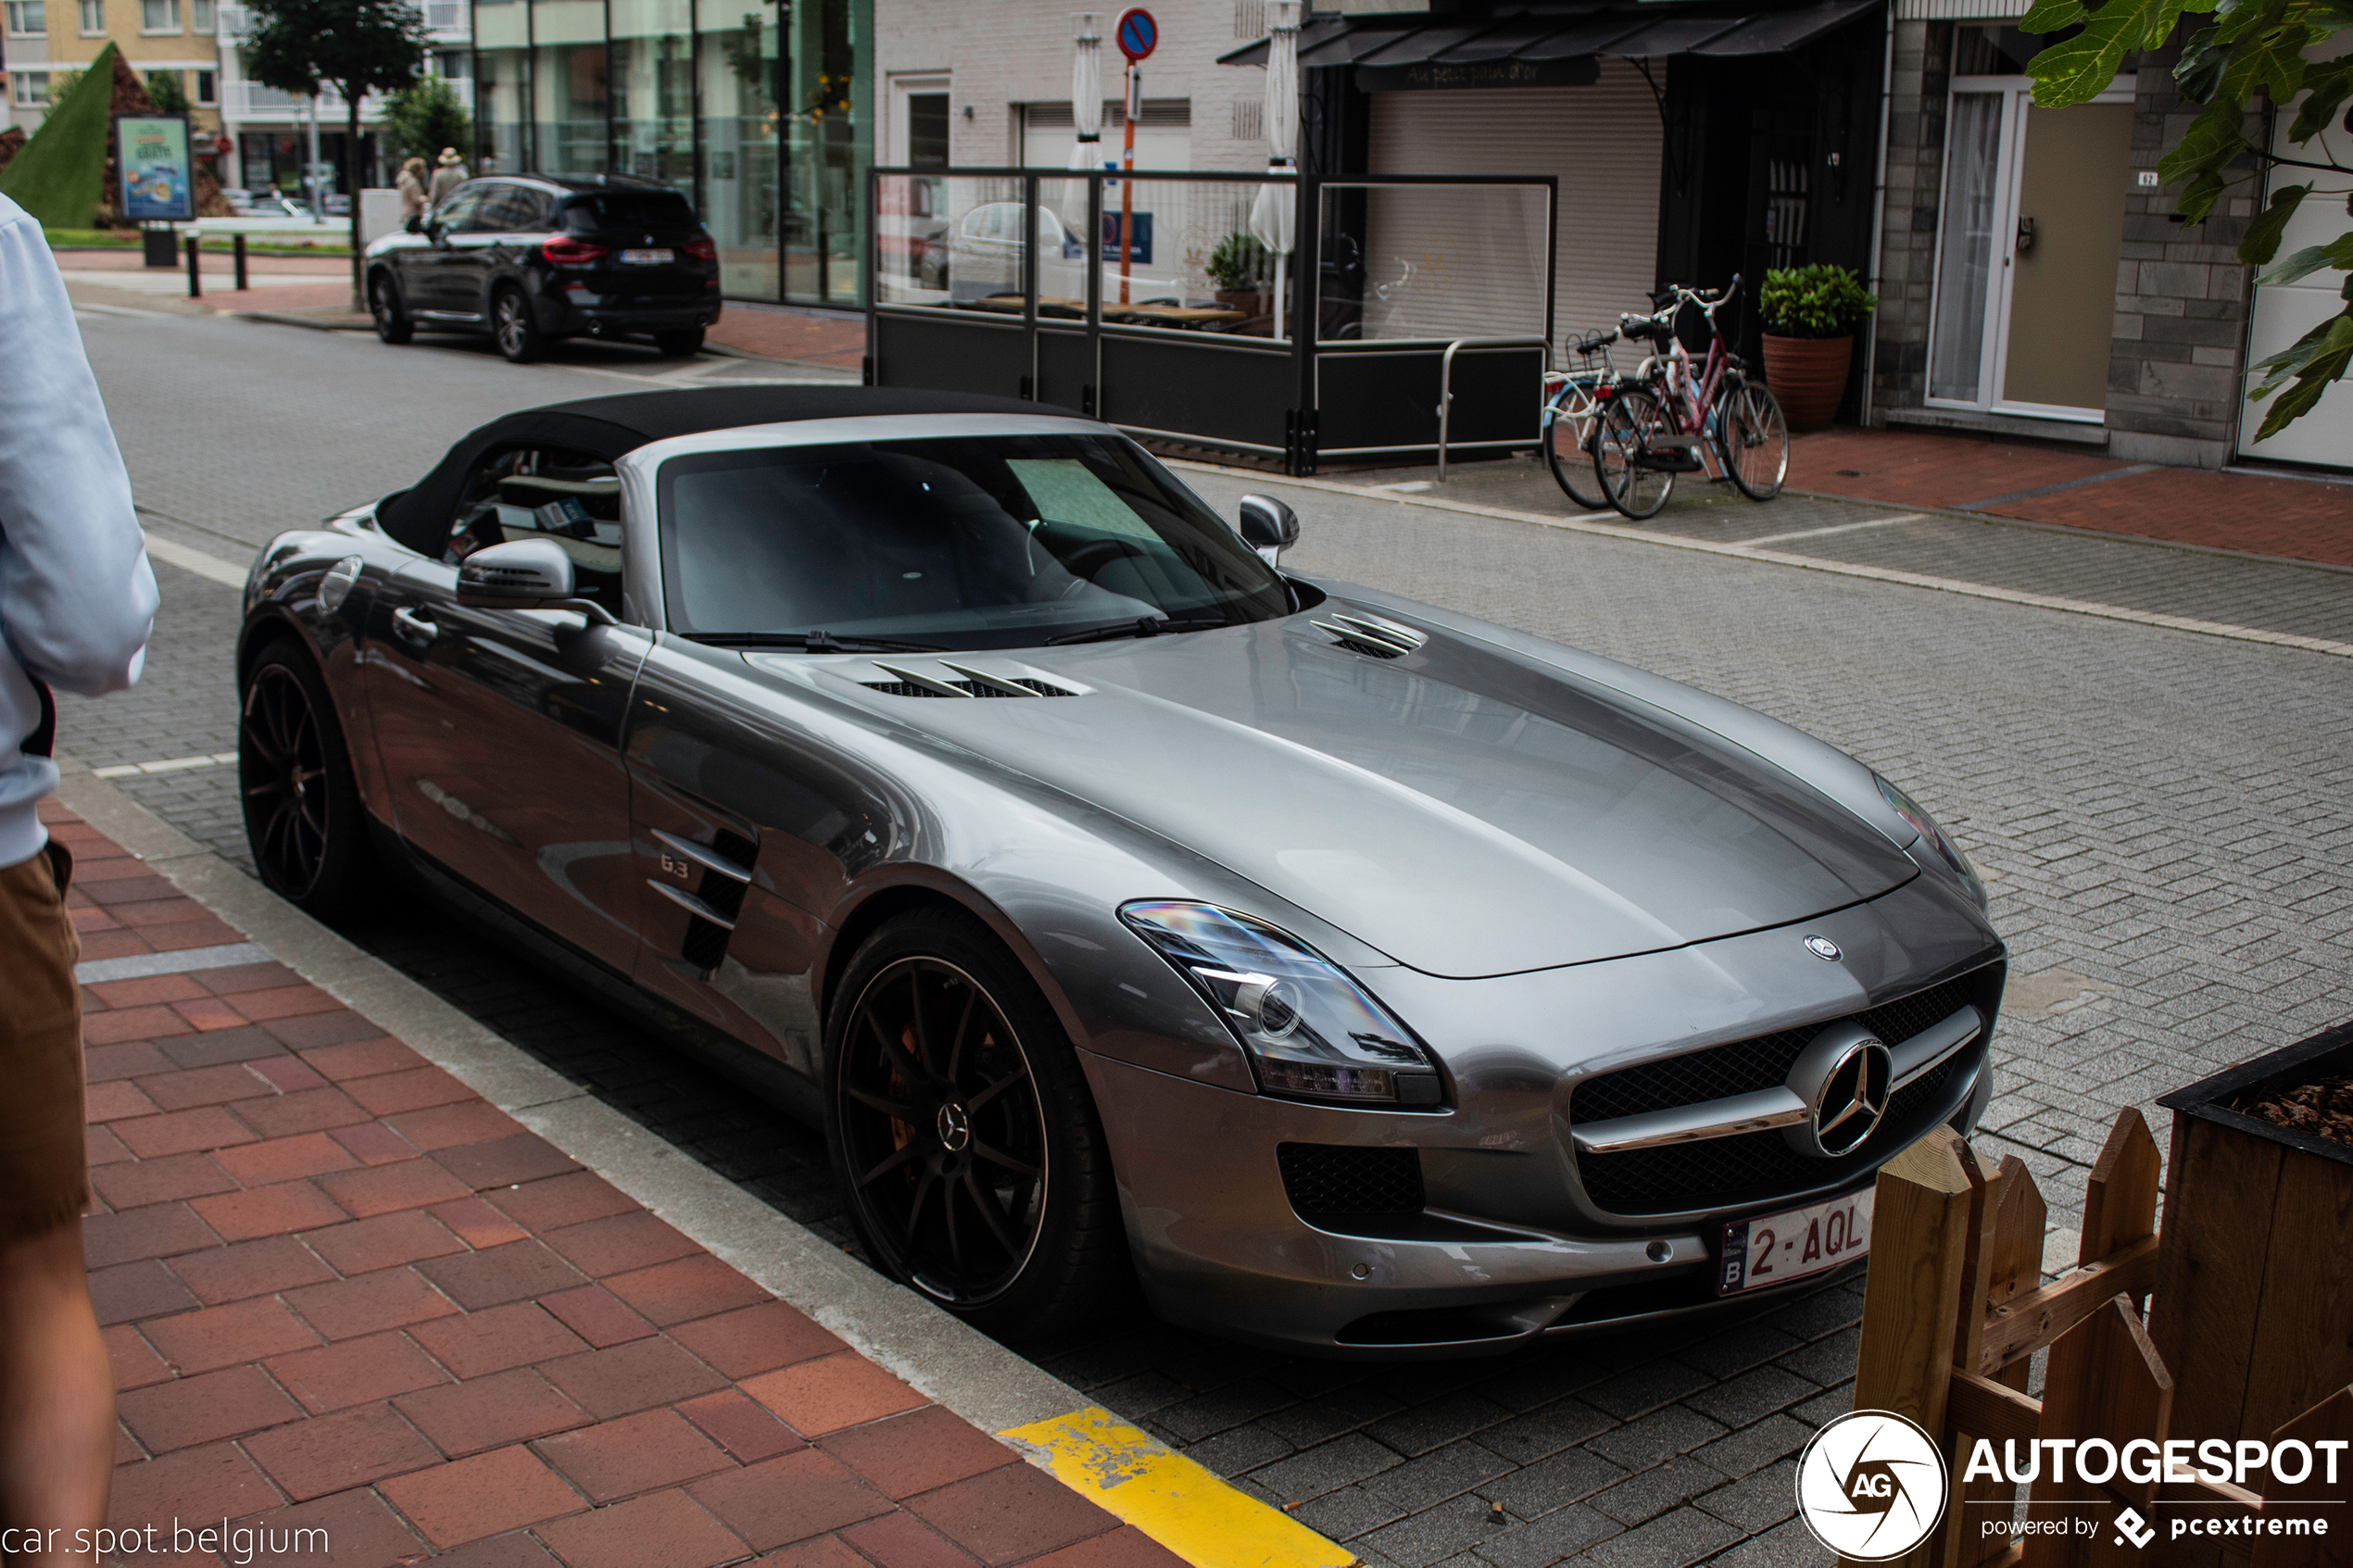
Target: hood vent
{"x":1372,"y":637}
{"x":961,"y":681}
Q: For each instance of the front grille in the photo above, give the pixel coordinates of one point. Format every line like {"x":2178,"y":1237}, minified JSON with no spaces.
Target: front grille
{"x":1755,"y":1167}
{"x":1746,"y":1066}
{"x":1343,"y":1179}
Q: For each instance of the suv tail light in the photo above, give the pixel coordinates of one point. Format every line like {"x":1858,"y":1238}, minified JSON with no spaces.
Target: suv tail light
{"x":704,"y":249}
{"x":571,"y":253}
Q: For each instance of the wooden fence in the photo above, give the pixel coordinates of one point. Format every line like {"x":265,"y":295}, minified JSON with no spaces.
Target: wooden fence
{"x":1953,"y":1309}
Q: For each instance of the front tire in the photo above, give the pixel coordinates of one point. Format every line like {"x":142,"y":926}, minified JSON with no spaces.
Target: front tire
{"x":515,"y":329}
{"x":393,"y":324}
{"x":1569,"y":447}
{"x":1751,"y":437}
{"x":1629,"y":420}
{"x":302,"y":818}
{"x":963,"y":1138}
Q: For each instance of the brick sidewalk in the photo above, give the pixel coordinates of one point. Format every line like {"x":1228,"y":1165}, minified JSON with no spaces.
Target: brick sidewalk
{"x":771,"y":334}
{"x":2301,"y":519}
{"x":342,"y":1291}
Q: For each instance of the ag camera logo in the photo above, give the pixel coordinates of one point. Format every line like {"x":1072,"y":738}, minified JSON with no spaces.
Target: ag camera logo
{"x":1871,"y":1486}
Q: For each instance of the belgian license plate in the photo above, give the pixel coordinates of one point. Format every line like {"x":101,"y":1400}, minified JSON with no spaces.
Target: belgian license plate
{"x":1774,"y":1248}
{"x":645,"y":257}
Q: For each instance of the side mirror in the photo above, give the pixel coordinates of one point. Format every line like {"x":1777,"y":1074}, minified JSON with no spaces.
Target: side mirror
{"x":415,"y":225}
{"x":1268,"y":526}
{"x":524,"y":574}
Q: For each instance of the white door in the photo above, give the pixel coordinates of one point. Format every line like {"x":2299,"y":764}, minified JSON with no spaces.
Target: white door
{"x":2285,"y":312}
{"x":2030,"y":228}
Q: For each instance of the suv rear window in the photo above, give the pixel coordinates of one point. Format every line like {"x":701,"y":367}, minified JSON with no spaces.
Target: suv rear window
{"x":628,"y":209}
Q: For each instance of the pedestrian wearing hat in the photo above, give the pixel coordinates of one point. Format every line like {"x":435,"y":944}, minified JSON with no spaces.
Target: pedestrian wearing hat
{"x":450,"y":173}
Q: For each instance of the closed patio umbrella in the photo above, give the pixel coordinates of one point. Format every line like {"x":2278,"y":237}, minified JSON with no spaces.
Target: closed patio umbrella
{"x":1087,"y":113}
{"x":1271,"y":212}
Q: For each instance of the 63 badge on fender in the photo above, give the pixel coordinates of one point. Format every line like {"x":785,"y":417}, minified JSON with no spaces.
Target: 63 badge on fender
{"x":1775,"y":1248}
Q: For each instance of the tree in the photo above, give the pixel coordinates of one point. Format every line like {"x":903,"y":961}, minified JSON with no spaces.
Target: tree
{"x":427,"y":118}
{"x":356,"y":47}
{"x":2252,"y":45}
{"x":163,"y":87}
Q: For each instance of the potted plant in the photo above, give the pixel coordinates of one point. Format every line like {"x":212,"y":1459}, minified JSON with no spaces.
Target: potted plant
{"x":1810,"y":314}
{"x":1238,"y":267}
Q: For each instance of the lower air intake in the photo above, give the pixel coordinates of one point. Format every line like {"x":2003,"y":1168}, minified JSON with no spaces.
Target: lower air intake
{"x":1344,"y":1179}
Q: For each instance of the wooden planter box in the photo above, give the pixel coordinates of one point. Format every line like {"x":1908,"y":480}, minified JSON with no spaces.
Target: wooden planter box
{"x":2257,"y":1289}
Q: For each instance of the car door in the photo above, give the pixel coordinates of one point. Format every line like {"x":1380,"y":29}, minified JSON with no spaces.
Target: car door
{"x":478,"y":245}
{"x":428,"y":273}
{"x":500,"y":731}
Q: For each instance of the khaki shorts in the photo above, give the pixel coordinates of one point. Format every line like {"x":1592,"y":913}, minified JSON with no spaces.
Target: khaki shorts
{"x":45,"y":1174}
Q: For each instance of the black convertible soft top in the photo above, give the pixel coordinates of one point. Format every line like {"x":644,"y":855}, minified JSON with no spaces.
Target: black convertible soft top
{"x":609,"y":427}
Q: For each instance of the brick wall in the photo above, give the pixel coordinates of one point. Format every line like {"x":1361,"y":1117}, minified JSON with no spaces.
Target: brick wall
{"x":2174,"y":383}
{"x":1908,"y":225}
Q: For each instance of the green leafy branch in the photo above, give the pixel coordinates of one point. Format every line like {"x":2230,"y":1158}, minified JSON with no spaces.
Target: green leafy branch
{"x":2251,"y":48}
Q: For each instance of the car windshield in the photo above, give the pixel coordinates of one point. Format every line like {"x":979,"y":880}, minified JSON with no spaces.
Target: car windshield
{"x":974,"y":542}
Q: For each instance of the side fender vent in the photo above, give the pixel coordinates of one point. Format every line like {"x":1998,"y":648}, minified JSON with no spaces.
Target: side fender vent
{"x":954,"y":679}
{"x":1372,"y":637}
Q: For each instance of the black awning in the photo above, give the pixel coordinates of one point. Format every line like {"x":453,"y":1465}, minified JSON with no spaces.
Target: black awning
{"x":1385,"y":49}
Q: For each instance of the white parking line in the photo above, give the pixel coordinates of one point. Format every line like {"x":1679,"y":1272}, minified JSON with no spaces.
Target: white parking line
{"x":188,"y":558}
{"x":167,"y":765}
{"x":1834,"y":528}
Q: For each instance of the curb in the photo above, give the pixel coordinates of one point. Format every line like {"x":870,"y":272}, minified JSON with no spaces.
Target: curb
{"x":1123,"y":1470}
{"x":291,"y":318}
{"x":1834,"y":568}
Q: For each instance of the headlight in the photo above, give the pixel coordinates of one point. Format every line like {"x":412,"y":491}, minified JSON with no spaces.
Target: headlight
{"x":1309,"y":1029}
{"x":1926,"y":826}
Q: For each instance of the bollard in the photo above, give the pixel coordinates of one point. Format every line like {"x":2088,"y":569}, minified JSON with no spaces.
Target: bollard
{"x":195,"y":280}
{"x":237,"y":253}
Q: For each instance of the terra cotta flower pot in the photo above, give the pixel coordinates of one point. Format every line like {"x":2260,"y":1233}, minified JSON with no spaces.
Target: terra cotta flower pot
{"x":1808,"y":375}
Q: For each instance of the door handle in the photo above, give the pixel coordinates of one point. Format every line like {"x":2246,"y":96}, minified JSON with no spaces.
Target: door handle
{"x":420,"y":628}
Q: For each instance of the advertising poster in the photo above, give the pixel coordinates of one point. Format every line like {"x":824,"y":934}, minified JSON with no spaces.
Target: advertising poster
{"x":159,"y":175}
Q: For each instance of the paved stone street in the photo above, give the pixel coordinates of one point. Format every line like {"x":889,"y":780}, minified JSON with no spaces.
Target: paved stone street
{"x":2165,"y":819}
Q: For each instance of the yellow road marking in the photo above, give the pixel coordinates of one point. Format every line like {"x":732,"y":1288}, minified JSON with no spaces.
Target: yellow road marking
{"x":1169,"y":1498}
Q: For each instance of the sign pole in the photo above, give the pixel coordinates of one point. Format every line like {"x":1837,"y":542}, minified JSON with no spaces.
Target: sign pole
{"x":1137,"y":35}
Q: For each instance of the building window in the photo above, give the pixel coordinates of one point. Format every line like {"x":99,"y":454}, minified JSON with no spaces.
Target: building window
{"x":28,"y":19}
{"x":94,"y":19}
{"x":200,"y":16}
{"x":31,"y":88}
{"x":159,"y":16}
{"x":206,"y":92}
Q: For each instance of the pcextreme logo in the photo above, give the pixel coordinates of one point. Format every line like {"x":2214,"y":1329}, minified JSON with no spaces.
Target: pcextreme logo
{"x":1870,"y":1486}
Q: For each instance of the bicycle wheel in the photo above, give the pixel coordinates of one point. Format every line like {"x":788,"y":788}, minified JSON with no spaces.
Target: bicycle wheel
{"x":1629,"y":420}
{"x":1569,"y":439}
{"x":1753,"y":439}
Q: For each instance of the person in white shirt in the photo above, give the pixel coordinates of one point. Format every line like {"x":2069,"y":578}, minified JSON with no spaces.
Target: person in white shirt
{"x":77,"y":600}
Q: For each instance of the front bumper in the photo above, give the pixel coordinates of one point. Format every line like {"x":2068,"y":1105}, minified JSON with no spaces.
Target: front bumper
{"x":1508,"y":1246}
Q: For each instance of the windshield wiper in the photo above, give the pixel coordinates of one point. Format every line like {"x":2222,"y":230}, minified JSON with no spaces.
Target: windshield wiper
{"x":810,"y":642}
{"x":1144,"y":626}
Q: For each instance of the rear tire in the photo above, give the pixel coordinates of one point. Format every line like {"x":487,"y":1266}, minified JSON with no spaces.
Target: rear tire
{"x":515,"y":329}
{"x":1569,"y":447}
{"x":1751,"y":437}
{"x":391,"y":316}
{"x":967,"y":1148}
{"x":1628,"y":421}
{"x":679,"y":344}
{"x":304,"y":821}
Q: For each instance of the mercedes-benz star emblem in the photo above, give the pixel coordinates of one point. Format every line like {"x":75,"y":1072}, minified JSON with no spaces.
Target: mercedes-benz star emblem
{"x":1822,"y":947}
{"x":954,"y":1128}
{"x":1854,"y":1098}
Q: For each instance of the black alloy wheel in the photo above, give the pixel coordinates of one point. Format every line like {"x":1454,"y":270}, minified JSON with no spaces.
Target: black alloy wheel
{"x":963,"y":1134}
{"x":384,"y":303}
{"x":301,"y":808}
{"x":514,"y":328}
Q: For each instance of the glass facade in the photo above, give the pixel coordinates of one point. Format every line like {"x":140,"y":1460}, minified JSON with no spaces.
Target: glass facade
{"x":760,"y":110}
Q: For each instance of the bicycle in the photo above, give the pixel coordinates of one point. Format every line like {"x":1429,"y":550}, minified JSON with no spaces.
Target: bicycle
{"x":1664,"y":420}
{"x":1572,"y":408}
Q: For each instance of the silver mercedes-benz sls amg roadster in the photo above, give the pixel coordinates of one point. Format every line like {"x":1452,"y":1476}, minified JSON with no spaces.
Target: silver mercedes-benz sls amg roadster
{"x":1366,"y":978}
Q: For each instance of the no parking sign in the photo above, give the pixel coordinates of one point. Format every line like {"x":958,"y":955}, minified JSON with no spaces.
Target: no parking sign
{"x":1135,"y":33}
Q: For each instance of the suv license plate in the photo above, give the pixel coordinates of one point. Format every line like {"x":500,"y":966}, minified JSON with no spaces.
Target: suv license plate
{"x":1774,"y":1248}
{"x":643,"y":257}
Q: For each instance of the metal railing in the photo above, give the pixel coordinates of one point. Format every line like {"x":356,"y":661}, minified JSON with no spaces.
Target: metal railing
{"x":1446,"y":381}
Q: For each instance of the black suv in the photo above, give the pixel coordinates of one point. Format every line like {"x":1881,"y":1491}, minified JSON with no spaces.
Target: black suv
{"x":534,"y":257}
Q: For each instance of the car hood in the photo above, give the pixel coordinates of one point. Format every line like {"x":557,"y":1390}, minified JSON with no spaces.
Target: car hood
{"x":1467,"y":811}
